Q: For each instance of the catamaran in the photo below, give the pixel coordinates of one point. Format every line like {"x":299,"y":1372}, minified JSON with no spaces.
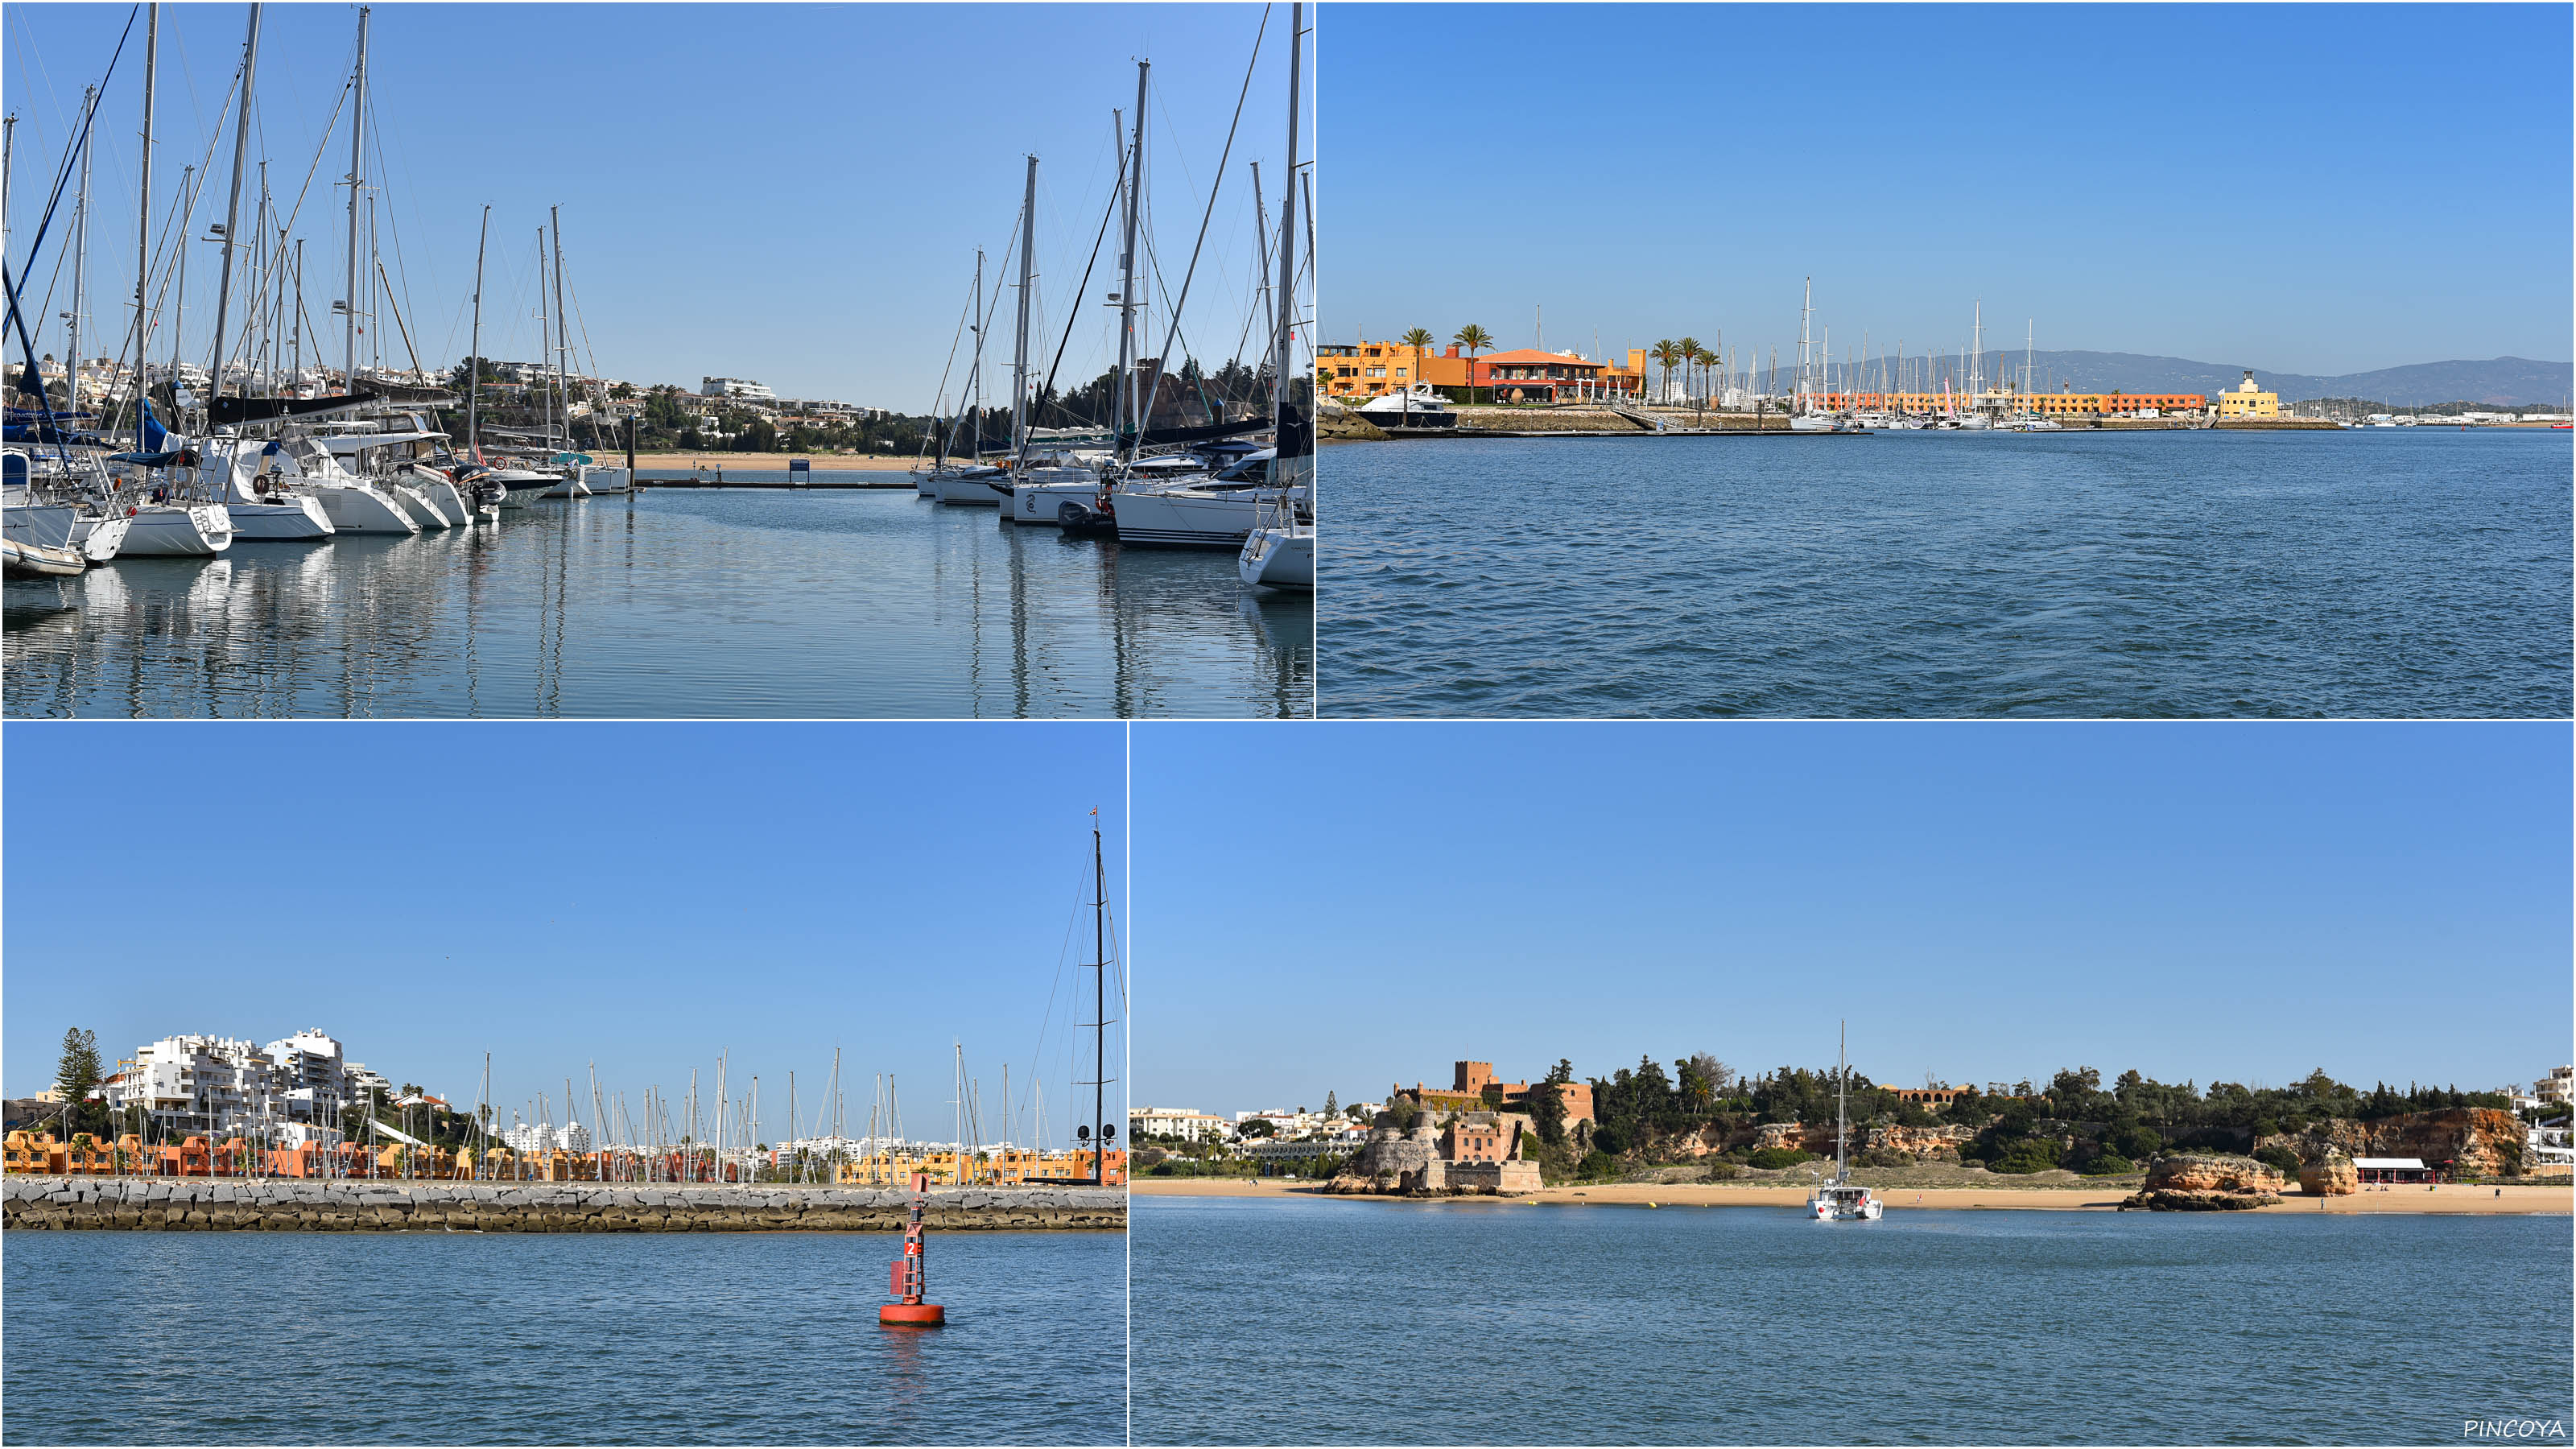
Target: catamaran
{"x":1842,"y":1200}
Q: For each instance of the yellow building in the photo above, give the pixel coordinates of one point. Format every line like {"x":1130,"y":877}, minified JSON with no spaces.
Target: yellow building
{"x":2248,"y":401}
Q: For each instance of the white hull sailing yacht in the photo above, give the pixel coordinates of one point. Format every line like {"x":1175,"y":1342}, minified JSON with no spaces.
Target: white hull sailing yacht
{"x":1842,"y":1200}
{"x":176,"y":530}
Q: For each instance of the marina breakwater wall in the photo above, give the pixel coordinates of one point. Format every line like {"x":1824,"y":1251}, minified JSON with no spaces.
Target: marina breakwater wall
{"x":282,"y":1205}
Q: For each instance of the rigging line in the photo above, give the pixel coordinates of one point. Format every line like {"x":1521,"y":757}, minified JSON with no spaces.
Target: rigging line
{"x":965,"y":319}
{"x":1072,"y":919}
{"x":1073,"y":315}
{"x":1214,"y":191}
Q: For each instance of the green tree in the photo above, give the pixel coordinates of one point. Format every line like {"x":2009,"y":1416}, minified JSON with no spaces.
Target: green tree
{"x":76,"y":1075}
{"x":1332,"y":1104}
{"x":1547,"y":1105}
{"x":1473,"y":339}
{"x":1667,"y":355}
{"x":1417,"y":339}
{"x":1257,"y":1127}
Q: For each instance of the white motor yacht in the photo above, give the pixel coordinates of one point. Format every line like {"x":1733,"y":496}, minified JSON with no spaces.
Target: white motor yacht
{"x":1422,"y":406}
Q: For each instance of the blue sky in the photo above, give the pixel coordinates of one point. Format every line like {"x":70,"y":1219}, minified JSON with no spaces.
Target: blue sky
{"x":791,"y":193}
{"x":2310,"y":188}
{"x":644,"y":896}
{"x":1983,"y":902}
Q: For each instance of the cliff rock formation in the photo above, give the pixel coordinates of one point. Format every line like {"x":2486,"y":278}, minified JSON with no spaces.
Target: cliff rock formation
{"x":2473,"y":1140}
{"x":2206,"y":1182}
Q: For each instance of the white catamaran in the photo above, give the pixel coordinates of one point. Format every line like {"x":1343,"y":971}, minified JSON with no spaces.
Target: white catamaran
{"x":1842,"y":1200}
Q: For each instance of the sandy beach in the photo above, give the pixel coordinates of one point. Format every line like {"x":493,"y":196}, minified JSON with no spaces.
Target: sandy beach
{"x":770,"y":462}
{"x":2090,"y":1198}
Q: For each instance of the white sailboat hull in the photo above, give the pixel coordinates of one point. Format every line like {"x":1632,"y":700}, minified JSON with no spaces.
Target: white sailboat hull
{"x":1279,"y":558}
{"x":99,"y":538}
{"x":1185,"y":517}
{"x":356,"y":508}
{"x":444,"y":497}
{"x":197,"y":530}
{"x":970,"y":492}
{"x":1044,"y":502}
{"x":417,"y":506}
{"x":297,"y":518}
{"x":606,"y":480}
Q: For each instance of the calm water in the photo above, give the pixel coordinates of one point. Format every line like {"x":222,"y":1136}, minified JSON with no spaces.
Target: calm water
{"x":1509,"y":1324}
{"x":766,"y":1338}
{"x":2382,"y":573}
{"x":686,"y":603}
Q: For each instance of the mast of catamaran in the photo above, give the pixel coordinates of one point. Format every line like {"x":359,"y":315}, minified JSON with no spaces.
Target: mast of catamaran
{"x":474,"y":365}
{"x":1842,"y":1081}
{"x":1020,"y":345}
{"x":143,"y":222}
{"x":357,"y":189}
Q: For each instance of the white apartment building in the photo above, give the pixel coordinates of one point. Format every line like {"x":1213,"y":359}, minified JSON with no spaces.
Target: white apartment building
{"x":218,"y":1086}
{"x":1186,"y":1123}
{"x":535,"y":1137}
{"x":2558,"y":1088}
{"x":739,"y":387}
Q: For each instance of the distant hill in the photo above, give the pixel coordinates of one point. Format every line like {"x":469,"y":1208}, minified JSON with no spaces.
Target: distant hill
{"x":2502,"y":381}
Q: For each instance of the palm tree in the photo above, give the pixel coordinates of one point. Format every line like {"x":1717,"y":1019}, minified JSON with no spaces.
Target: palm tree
{"x":1706,"y":360}
{"x":1473,"y":339}
{"x":1667,"y":355}
{"x":1690,"y":355}
{"x":1417,"y":339}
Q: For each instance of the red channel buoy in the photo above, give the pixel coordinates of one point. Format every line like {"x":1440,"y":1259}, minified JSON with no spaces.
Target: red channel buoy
{"x":907,"y":1281}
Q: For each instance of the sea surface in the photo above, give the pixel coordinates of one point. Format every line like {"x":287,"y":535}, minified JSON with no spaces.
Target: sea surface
{"x":2390,"y":573}
{"x":1501,"y":1323}
{"x":525,"y":1338}
{"x":670,"y":603}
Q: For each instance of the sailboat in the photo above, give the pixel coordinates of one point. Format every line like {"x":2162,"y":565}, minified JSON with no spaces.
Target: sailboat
{"x":1279,"y":552}
{"x":1842,"y":1200}
{"x":1804,"y":415}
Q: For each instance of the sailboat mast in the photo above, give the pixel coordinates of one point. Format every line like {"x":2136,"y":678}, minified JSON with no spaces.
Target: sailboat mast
{"x":1280,"y":343}
{"x":80,"y":261}
{"x":975,"y":372}
{"x":1099,"y":1013}
{"x":232,"y":208}
{"x":1842,"y":1083}
{"x":143,"y":222}
{"x":357,"y":190}
{"x":563,"y":337}
{"x":1131,"y":424}
{"x":1020,"y":345}
{"x":474,"y":363}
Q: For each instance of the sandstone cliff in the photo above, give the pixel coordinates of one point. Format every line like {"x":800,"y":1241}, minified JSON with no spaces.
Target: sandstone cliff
{"x":2471,"y":1140}
{"x":2206,"y":1182}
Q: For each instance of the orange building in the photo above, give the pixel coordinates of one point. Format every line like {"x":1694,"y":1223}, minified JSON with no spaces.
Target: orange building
{"x":1367,"y":369}
{"x":2047,"y":405}
{"x":1468,"y":1091}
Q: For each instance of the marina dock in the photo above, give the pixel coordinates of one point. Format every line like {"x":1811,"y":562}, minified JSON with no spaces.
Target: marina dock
{"x":150,"y":1204}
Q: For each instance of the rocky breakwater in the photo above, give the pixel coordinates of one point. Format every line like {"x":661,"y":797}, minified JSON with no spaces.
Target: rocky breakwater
{"x":2206,"y":1182}
{"x":198,"y":1204}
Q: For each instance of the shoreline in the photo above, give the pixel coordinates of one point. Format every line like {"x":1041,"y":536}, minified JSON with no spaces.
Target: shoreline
{"x":764,"y":462}
{"x":2448,"y":1200}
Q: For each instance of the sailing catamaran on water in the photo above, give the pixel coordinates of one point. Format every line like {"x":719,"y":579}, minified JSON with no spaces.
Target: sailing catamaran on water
{"x":1842,"y":1200}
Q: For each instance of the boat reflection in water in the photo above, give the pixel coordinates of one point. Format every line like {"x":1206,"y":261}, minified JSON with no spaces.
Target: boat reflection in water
{"x":669,"y":603}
